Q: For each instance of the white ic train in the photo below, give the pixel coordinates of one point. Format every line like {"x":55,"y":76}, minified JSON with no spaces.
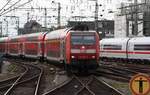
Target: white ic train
{"x":131,"y":49}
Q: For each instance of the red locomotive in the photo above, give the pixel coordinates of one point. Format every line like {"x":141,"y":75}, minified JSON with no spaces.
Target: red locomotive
{"x":75,"y":47}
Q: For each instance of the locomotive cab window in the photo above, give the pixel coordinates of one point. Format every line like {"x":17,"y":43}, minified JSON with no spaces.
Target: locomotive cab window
{"x":83,"y":39}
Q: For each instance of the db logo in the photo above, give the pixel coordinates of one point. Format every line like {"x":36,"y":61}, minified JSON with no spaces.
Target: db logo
{"x":140,"y":84}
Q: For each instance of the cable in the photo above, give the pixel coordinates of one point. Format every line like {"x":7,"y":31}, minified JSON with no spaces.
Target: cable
{"x":5,"y":5}
{"x":10,"y":6}
{"x":17,"y":7}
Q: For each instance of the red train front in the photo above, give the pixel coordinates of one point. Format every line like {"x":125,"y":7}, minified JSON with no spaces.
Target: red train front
{"x":76,"y":47}
{"x":83,"y":49}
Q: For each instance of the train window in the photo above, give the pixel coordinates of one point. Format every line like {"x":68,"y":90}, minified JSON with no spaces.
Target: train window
{"x":14,"y":40}
{"x":32,"y":38}
{"x":83,"y":39}
{"x":112,"y":47}
{"x":76,"y":40}
{"x":141,"y":47}
{"x":90,"y":38}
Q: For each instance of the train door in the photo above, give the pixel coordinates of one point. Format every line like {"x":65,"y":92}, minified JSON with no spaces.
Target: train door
{"x":61,"y":50}
{"x":130,"y":48}
{"x":64,"y":51}
{"x":45,"y":48}
{"x":41,"y":49}
{"x":39,"y":45}
{"x":127,"y":48}
{"x":20,"y":48}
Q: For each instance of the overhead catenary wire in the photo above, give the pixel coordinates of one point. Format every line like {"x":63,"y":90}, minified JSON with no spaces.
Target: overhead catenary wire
{"x":10,"y":6}
{"x":5,"y":5}
{"x":16,"y":7}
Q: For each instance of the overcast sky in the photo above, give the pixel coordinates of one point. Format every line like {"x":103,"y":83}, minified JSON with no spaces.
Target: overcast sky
{"x":69,"y":8}
{"x":77,"y":6}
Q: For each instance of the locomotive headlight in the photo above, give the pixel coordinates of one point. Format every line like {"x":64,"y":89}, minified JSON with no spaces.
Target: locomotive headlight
{"x":93,"y":57}
{"x":72,"y":56}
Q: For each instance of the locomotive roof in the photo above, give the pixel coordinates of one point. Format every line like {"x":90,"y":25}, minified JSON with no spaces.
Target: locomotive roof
{"x":57,"y":33}
{"x":62,"y":32}
{"x":30,"y":37}
{"x":77,"y":31}
{"x":34,"y":34}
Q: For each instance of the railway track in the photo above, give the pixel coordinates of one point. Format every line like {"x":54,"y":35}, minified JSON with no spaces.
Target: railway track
{"x":121,"y":71}
{"x":25,"y":84}
{"x":132,"y":66}
{"x":118,"y":74}
{"x":6,"y":84}
{"x":83,"y":86}
{"x":29,"y":83}
{"x":115,"y":71}
{"x":138,"y":68}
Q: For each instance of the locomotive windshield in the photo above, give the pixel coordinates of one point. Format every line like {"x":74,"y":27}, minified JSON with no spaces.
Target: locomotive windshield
{"x":83,"y":39}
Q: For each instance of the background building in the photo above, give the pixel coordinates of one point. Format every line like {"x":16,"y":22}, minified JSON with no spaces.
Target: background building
{"x":133,"y":18}
{"x":105,"y":27}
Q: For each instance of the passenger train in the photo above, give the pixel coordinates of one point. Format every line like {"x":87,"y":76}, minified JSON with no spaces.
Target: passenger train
{"x":128,"y":49}
{"x":75,"y":47}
